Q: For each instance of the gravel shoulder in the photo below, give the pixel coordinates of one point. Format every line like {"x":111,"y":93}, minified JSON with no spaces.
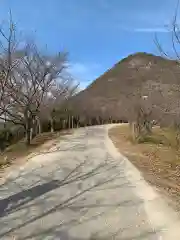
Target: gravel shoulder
{"x":83,"y":188}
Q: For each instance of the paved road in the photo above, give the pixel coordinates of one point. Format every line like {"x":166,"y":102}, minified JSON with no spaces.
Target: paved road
{"x":82,"y":189}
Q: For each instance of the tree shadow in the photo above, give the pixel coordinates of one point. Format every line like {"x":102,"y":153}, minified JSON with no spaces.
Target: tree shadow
{"x":70,"y":204}
{"x":13,"y":202}
{"x":84,"y":181}
{"x":24,"y":199}
{"x":56,"y":233}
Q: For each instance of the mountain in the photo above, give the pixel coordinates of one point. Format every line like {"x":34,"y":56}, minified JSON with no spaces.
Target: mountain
{"x":105,"y":95}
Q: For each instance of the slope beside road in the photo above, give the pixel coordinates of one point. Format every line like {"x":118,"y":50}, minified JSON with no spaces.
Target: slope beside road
{"x":83,"y":188}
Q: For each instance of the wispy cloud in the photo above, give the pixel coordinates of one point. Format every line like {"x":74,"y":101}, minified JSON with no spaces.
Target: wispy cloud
{"x":152,"y":29}
{"x":160,"y":30}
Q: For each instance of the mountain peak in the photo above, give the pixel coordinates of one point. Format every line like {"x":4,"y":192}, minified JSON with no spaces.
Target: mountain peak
{"x":106,"y":91}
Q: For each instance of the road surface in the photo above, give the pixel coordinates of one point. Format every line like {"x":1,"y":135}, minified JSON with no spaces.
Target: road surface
{"x":83,"y":189}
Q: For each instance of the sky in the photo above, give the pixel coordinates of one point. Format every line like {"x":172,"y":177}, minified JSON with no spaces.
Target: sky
{"x":95,"y":33}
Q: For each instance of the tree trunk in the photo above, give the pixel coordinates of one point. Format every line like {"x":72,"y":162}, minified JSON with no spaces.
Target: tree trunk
{"x":63,"y":123}
{"x":52,"y":125}
{"x":28,"y":130}
{"x":28,"y":136}
{"x":39,"y":129}
{"x":69,"y":122}
{"x":148,"y":127}
{"x":34,"y":127}
{"x":132,"y":129}
{"x":77,"y":122}
{"x":136,"y":130}
{"x":72,"y":120}
{"x":32,"y":135}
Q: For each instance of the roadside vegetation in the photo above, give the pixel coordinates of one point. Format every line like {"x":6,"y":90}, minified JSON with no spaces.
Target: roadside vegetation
{"x":41,"y":142}
{"x":157,"y":156}
{"x":36,"y":92}
{"x":34,"y":89}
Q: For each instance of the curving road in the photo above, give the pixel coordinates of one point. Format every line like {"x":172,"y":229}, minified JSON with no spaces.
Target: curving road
{"x":83,"y":189}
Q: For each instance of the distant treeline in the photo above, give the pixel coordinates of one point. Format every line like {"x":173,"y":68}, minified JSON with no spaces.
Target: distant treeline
{"x":11,"y":134}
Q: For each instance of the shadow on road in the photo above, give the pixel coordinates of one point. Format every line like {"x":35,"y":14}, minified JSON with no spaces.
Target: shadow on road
{"x":17,"y":200}
{"x":83,"y":182}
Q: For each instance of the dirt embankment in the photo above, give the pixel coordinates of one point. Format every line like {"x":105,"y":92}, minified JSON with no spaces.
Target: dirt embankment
{"x":156,"y":157}
{"x":19,"y":153}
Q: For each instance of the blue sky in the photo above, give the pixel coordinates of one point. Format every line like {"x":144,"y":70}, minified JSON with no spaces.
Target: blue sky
{"x":96,"y":33}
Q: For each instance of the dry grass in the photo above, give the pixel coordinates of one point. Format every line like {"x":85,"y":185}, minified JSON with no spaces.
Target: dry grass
{"x":20,"y":149}
{"x":156,"y":157}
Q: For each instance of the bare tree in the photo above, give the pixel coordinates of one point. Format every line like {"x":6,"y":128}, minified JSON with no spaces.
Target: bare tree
{"x":170,"y":103}
{"x":8,"y":47}
{"x":27,"y":77}
{"x":56,"y":98}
